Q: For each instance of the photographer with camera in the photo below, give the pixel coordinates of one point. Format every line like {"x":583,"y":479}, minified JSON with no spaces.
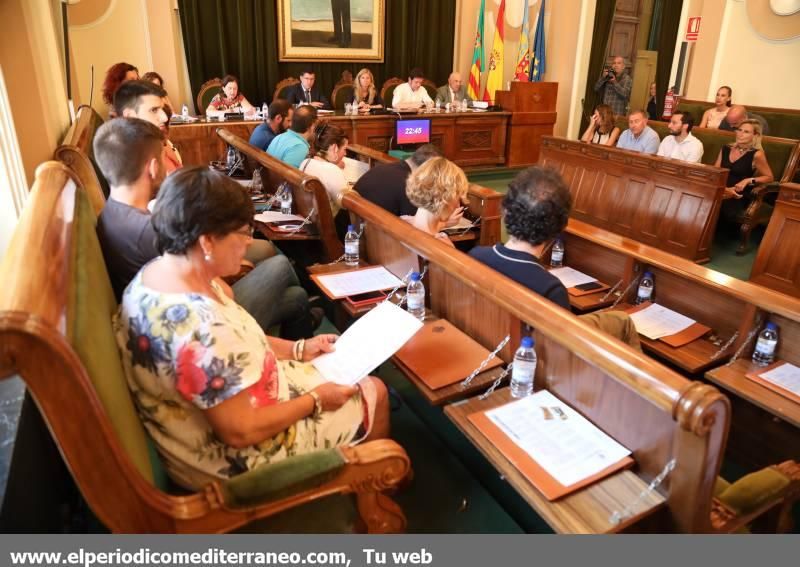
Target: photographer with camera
{"x":614,"y":86}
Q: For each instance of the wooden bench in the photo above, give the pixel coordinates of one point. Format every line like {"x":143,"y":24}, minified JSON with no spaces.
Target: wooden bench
{"x":732,"y":308}
{"x":482,"y":203}
{"x":56,"y":333}
{"x":77,"y":153}
{"x":668,"y":204}
{"x":659,"y":415}
{"x":777,"y":264}
{"x":783,"y":155}
{"x":308,"y":198}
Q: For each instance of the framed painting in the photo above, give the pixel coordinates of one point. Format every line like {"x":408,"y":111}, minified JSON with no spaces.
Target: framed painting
{"x":331,"y":30}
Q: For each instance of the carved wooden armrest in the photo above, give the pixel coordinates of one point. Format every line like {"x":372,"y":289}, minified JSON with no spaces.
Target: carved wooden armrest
{"x":753,"y":497}
{"x":758,"y":194}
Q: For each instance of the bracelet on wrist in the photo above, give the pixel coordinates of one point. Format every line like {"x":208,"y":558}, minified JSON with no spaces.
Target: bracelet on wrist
{"x":317,"y":404}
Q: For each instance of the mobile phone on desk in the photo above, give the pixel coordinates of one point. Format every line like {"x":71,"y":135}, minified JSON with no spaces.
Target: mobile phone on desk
{"x":589,"y":286}
{"x":367,"y":298}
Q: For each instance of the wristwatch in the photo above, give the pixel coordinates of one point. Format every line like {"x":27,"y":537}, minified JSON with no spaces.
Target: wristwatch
{"x":317,"y":404}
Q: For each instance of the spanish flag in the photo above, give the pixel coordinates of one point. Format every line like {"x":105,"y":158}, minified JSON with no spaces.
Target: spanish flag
{"x":494,"y":80}
{"x":474,"y":86}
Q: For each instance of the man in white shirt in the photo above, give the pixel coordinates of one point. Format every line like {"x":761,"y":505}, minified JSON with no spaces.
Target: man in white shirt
{"x":411,"y":94}
{"x":681,"y":144}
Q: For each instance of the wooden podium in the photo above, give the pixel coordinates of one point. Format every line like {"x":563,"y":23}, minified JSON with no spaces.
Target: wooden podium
{"x":533,"y":108}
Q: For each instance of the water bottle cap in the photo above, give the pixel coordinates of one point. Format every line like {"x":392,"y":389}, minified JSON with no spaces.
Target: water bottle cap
{"x":414,"y":276}
{"x":771,"y":326}
{"x":527,"y":342}
{"x":648,"y":275}
{"x":350,"y":228}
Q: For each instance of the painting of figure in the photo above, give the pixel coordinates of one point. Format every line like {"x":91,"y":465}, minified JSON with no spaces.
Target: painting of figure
{"x":331,"y":30}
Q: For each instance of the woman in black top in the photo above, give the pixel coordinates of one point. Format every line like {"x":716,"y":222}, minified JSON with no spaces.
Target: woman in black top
{"x":747,"y":165}
{"x":652,"y":103}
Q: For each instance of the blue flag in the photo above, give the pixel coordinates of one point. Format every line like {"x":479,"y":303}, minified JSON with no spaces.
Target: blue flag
{"x":539,"y":65}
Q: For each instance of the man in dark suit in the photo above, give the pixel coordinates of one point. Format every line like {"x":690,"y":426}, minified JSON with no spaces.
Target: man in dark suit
{"x":305,"y":93}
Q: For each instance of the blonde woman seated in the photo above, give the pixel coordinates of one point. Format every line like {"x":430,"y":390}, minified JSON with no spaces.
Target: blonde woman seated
{"x":437,"y":189}
{"x":364,"y":92}
{"x":713,"y":117}
{"x":219,"y":397}
{"x":601,"y":128}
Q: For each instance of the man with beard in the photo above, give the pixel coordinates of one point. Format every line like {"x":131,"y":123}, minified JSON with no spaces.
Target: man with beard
{"x":277,"y":121}
{"x":681,"y":144}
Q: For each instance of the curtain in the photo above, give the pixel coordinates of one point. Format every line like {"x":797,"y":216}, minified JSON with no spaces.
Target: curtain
{"x":240,"y":37}
{"x":669,"y":20}
{"x":603,"y":18}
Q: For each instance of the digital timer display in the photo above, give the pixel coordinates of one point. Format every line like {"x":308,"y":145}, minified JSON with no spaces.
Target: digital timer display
{"x":413,"y":132}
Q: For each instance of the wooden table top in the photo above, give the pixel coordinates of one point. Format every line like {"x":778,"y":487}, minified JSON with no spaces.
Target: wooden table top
{"x":586,"y":511}
{"x":733,"y":378}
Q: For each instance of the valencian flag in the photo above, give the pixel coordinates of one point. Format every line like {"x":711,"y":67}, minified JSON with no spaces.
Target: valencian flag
{"x":474,"y":86}
{"x":538,"y":67}
{"x":523,"y":69}
{"x":494,"y":81}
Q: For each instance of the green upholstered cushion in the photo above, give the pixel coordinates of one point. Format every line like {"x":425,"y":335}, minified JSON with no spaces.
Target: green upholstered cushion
{"x":781,"y":124}
{"x":90,"y":333}
{"x":720,"y":486}
{"x":753,"y":490}
{"x":286,"y":477}
{"x":343,"y":95}
{"x":778,"y":152}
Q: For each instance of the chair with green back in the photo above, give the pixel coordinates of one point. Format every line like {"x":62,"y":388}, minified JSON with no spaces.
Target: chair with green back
{"x":56,"y":333}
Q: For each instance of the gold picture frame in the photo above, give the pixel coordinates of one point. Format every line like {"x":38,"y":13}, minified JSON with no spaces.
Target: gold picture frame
{"x":331,"y":30}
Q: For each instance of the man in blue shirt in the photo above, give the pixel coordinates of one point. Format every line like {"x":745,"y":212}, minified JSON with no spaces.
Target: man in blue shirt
{"x":277,"y":121}
{"x":292,"y":146}
{"x":639,"y":137}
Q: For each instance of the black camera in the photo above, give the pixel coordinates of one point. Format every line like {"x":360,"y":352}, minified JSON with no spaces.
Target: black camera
{"x":611,"y":71}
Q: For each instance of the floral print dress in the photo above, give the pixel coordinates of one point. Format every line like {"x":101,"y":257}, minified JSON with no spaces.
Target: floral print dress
{"x":221,"y":102}
{"x":186,"y":352}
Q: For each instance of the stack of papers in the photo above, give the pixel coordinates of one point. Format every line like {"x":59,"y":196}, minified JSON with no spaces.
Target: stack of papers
{"x":353,"y":282}
{"x":277,"y":216}
{"x":656,"y":321}
{"x":565,"y":444}
{"x":367,"y":344}
{"x":571,"y":278}
{"x":785,"y":376}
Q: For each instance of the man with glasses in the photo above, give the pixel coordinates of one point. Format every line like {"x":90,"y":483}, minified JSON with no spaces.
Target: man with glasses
{"x":305,"y":92}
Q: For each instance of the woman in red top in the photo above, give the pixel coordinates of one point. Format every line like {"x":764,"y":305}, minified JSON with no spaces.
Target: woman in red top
{"x":229,"y":100}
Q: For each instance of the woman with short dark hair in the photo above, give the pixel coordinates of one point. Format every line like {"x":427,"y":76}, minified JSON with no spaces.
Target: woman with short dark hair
{"x":218,"y":397}
{"x":230,"y":99}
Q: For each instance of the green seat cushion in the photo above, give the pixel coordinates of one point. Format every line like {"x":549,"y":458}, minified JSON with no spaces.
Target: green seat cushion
{"x":89,"y":331}
{"x":281,"y":479}
{"x":753,"y":490}
{"x":781,"y":124}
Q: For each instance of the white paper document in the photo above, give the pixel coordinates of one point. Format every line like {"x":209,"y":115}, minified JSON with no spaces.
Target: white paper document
{"x":344,"y":284}
{"x":571,"y":278}
{"x":354,"y":169}
{"x":786,"y":376}
{"x":367,"y":344}
{"x":656,"y":321}
{"x":277,"y":216}
{"x":564,"y":443}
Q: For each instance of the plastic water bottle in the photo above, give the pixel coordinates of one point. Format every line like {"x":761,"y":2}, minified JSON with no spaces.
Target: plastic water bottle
{"x":646,"y":286}
{"x":524,"y":369}
{"x":351,"y":246}
{"x":264,"y":111}
{"x":415,"y":297}
{"x":557,"y":254}
{"x":285,"y":198}
{"x":185,"y":112}
{"x":765,"y":347}
{"x":230,"y":161}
